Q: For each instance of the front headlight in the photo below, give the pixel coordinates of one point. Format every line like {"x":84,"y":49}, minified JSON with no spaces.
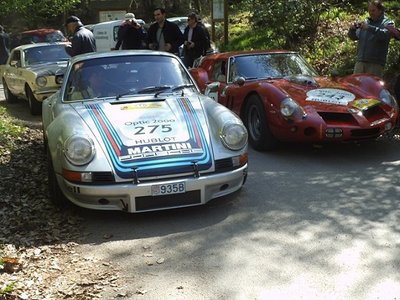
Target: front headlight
{"x":289,"y":107}
{"x":79,"y":150}
{"x":387,"y":97}
{"x":234,"y":136}
{"x":41,"y":81}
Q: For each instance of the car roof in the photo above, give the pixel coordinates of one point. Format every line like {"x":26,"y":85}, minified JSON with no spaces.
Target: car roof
{"x":224,"y":55}
{"x":103,"y":54}
{"x":41,"y":31}
{"x":28,"y":46}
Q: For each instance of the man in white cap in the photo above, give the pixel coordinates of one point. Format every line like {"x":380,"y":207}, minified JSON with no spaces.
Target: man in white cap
{"x":130,"y":34}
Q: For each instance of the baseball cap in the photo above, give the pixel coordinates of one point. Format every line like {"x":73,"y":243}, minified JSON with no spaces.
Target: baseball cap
{"x":130,"y":16}
{"x":72,"y":19}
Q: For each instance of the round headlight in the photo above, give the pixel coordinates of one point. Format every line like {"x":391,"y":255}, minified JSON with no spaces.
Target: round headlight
{"x":289,"y":107}
{"x":387,"y":97}
{"x":234,"y":136}
{"x":79,"y":150}
{"x":41,"y":81}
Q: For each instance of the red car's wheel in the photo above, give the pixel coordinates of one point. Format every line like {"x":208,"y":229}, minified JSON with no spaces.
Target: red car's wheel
{"x":260,"y":136}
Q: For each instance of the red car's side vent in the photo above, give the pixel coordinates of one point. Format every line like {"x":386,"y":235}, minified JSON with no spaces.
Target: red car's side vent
{"x":374,"y":113}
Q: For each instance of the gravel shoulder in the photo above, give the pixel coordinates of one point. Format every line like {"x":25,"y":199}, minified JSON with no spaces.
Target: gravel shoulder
{"x":40,"y":257}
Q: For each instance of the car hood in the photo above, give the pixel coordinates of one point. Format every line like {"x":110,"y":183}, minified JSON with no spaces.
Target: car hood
{"x":324,"y":94}
{"x":155,"y":137}
{"x":48,"y":69}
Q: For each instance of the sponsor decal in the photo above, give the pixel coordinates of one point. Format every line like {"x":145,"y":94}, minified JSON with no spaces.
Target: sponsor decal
{"x":153,"y":146}
{"x":363,"y":104}
{"x":141,"y":106}
{"x":330,"y":96}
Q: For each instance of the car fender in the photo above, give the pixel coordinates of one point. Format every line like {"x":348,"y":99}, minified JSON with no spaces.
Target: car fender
{"x":58,"y":127}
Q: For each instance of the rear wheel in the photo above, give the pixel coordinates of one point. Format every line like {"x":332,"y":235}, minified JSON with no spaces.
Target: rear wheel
{"x":7,"y":93}
{"x":55,"y":193}
{"x":35,"y":106}
{"x":260,"y":136}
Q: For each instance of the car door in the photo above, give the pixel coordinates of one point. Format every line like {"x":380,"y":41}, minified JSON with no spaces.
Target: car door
{"x":13,"y":73}
{"x":217,"y":84}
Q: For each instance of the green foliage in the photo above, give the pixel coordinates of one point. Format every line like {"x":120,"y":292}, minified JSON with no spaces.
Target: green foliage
{"x":317,"y":29}
{"x":9,"y":132}
{"x":7,"y":289}
{"x":44,"y":10}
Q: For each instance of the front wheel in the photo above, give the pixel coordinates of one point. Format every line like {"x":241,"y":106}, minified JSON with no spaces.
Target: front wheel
{"x":10,"y":97}
{"x":55,"y":192}
{"x":35,"y":106}
{"x":260,"y":136}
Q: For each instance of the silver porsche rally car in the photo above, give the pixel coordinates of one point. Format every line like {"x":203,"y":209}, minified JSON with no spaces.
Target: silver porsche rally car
{"x":129,"y":130}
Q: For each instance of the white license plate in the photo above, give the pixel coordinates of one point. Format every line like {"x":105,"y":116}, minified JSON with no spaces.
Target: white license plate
{"x":168,"y":188}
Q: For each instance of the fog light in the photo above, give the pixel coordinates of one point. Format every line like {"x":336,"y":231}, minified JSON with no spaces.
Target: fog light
{"x":388,"y":126}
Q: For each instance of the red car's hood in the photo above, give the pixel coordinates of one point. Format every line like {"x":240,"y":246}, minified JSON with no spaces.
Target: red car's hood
{"x":325,"y":94}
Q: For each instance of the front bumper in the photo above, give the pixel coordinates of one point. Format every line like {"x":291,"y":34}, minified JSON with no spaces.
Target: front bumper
{"x":134,"y":198}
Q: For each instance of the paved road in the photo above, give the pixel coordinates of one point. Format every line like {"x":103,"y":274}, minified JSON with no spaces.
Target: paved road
{"x":310,"y":223}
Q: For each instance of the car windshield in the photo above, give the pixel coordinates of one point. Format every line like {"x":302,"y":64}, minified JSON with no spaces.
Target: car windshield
{"x":45,"y":54}
{"x":121,"y":76}
{"x":272,"y":65}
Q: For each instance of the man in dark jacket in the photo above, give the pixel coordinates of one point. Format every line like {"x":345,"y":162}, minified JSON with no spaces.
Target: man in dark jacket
{"x":83,"y":40}
{"x":195,"y":43}
{"x":373,"y":40}
{"x":4,"y":46}
{"x":164,"y":35}
{"x":130,"y":34}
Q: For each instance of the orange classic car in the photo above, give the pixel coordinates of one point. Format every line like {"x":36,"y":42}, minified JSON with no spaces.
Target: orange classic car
{"x":280,"y":97}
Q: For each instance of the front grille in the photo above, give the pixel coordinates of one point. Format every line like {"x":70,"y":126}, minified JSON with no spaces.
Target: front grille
{"x":166,"y":201}
{"x":332,"y":118}
{"x":223,"y":165}
{"x":102,"y":177}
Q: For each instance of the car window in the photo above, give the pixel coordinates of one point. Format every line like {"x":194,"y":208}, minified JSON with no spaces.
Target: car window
{"x":123,"y":75}
{"x":219,"y":72}
{"x":16,"y":56}
{"x":275,"y":65}
{"x":45,"y":54}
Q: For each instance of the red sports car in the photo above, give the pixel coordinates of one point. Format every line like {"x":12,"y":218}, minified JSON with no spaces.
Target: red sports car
{"x":280,"y":97}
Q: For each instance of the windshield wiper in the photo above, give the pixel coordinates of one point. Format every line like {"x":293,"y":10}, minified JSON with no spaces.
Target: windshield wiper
{"x":130,"y":92}
{"x":154,"y":89}
{"x":182,"y":86}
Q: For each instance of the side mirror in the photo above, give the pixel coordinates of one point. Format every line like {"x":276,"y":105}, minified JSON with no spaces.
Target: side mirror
{"x":15,"y":63}
{"x":239,"y":81}
{"x":59,"y":76}
{"x":212,"y":87}
{"x":334,"y":73}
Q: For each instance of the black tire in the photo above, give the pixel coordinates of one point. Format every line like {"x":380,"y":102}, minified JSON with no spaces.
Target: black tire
{"x":260,"y":136}
{"x":35,"y":106}
{"x":10,"y":98}
{"x":55,"y":193}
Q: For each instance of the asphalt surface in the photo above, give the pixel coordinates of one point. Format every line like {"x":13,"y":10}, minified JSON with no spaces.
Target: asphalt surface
{"x":311,"y":222}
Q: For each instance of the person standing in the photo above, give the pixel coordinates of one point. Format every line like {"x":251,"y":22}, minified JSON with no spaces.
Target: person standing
{"x":195,"y":43}
{"x":4,"y":46}
{"x":130,"y":34}
{"x":164,"y":35}
{"x":83,"y":40}
{"x":373,"y":40}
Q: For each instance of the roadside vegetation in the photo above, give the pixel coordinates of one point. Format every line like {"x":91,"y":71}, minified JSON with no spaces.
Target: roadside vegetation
{"x":316,"y":29}
{"x":10,"y":132}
